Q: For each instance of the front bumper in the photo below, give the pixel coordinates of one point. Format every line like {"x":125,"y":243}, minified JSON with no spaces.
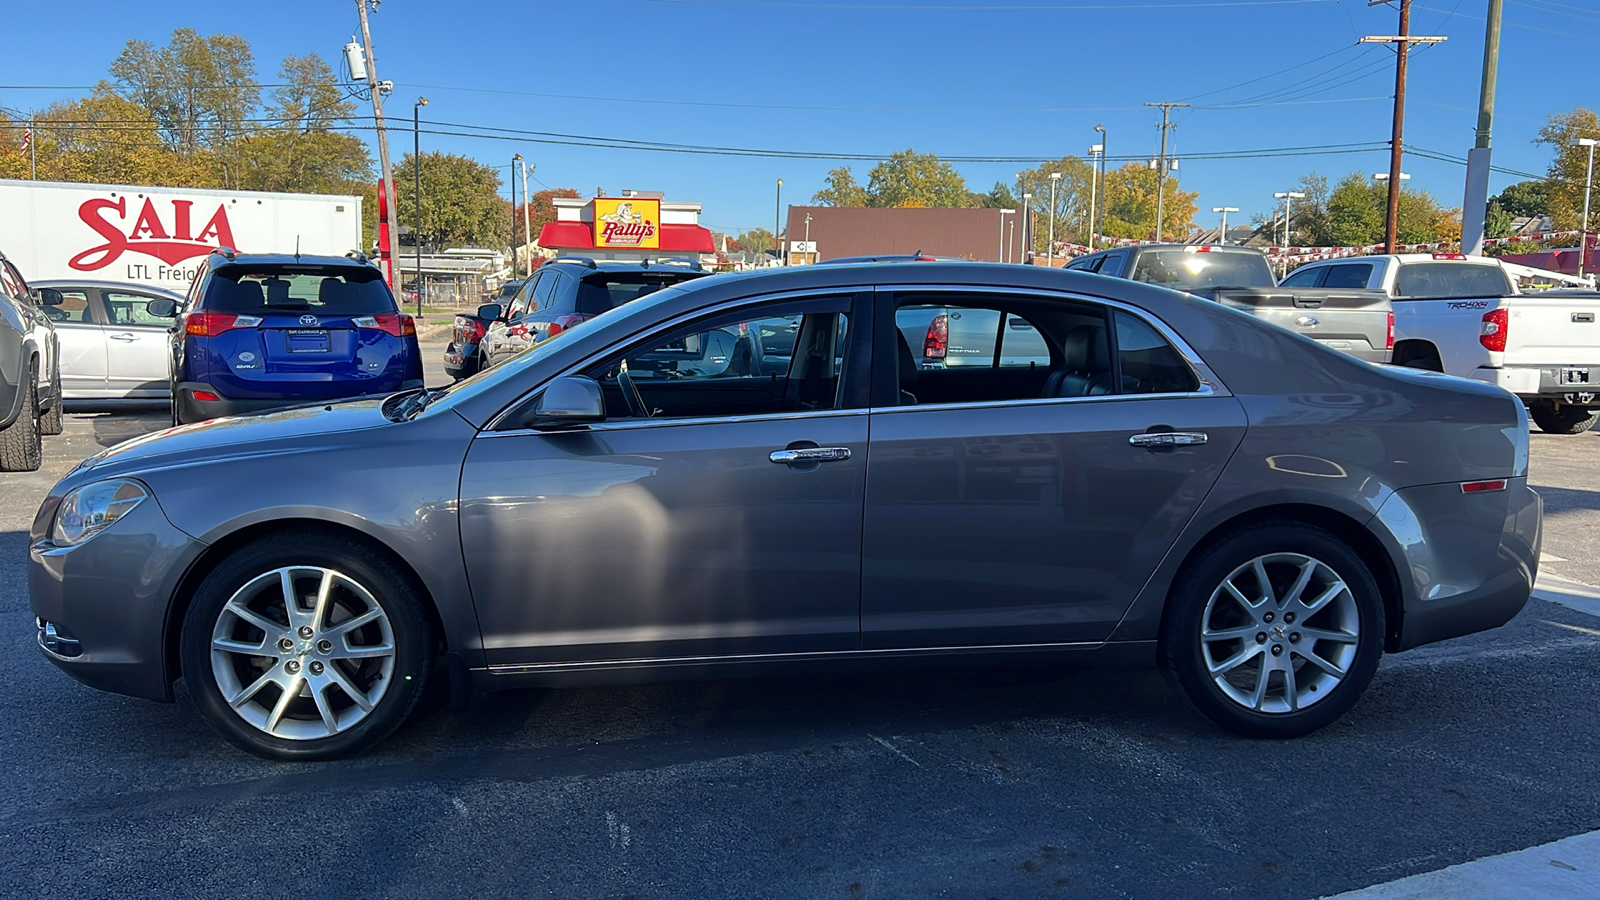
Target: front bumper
{"x":1467,"y":561}
{"x":110,"y":598}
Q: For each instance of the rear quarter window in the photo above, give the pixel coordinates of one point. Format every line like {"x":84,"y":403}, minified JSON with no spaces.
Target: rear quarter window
{"x":246,"y":291}
{"x":1149,"y":364}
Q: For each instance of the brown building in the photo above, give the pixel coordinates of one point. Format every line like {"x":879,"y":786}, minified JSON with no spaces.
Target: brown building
{"x":991,"y":235}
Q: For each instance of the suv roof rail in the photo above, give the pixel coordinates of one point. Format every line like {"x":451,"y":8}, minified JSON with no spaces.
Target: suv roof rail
{"x":356,"y":255}
{"x":673,"y":260}
{"x":227,"y":253}
{"x":580,"y":260}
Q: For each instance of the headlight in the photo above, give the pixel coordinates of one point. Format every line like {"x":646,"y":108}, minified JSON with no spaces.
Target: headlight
{"x":88,"y":509}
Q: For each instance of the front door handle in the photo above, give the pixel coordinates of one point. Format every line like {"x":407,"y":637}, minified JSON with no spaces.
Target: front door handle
{"x":1159,"y":439}
{"x":124,"y":337}
{"x":809,"y":455}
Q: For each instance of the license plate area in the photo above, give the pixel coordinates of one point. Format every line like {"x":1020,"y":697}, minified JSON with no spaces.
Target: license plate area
{"x":307,"y":340}
{"x":1574,"y":376}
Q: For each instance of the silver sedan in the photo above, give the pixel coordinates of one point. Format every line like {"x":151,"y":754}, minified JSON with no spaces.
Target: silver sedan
{"x":657,"y":493}
{"x":112,"y":348}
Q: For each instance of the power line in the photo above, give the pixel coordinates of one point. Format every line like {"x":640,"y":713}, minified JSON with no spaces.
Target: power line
{"x":1045,"y":7}
{"x":1272,"y":74}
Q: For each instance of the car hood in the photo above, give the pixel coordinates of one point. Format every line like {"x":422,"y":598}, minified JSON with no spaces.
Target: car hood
{"x":265,"y":433}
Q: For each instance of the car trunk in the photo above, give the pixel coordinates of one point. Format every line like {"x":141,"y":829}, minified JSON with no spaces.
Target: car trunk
{"x":299,"y":352}
{"x":1554,"y":328}
{"x":1347,"y":319}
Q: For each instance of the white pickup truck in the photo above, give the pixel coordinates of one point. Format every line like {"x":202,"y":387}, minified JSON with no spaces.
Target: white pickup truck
{"x":1466,"y":316}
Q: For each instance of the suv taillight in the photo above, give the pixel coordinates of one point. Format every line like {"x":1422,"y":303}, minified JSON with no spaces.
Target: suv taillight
{"x":469,"y":330}
{"x":210,"y":324}
{"x":1492,"y":334}
{"x":1389,"y":341}
{"x":562,"y":324}
{"x":397,"y":324}
{"x":936,"y":343}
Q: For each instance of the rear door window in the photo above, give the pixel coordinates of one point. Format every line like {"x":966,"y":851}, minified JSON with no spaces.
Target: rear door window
{"x":1113,"y":264}
{"x":1449,"y":279}
{"x":542,"y":298}
{"x":1305,"y":278}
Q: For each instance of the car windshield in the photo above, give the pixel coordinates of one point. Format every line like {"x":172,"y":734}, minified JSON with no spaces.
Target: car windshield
{"x":1190,"y":269}
{"x":329,"y":291}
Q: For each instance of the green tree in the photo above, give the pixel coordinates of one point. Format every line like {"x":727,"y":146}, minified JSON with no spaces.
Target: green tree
{"x":1355,"y":212}
{"x":1569,"y":167}
{"x":842,"y":190}
{"x":1071,"y":199}
{"x":756,"y":240}
{"x":1308,"y":221}
{"x":1130,"y":198}
{"x":999,"y":197}
{"x":913,"y":179}
{"x":461,"y":203}
{"x":1525,"y":198}
{"x":1497,"y":224}
{"x":541,"y":212}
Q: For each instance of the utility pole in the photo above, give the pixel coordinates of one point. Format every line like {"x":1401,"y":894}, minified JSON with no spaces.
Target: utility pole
{"x":527,"y":235}
{"x":387,"y":253}
{"x":416,"y":199}
{"x":1402,"y":42}
{"x":1588,"y":185}
{"x":515,"y":159}
{"x":33,"y":159}
{"x":1475,"y":206}
{"x":1161,"y":168}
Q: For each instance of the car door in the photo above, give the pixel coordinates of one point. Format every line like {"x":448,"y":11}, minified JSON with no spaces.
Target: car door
{"x":496,"y":334}
{"x":1023,"y":519}
{"x":700,"y":531}
{"x":136,"y":346}
{"x":82,"y":336}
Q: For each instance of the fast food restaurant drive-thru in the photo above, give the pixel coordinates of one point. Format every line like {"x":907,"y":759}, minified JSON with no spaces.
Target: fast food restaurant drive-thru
{"x":634,"y":226}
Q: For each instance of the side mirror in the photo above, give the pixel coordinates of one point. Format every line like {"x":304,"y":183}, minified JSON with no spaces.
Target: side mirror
{"x":569,"y":400}
{"x":47,"y":296}
{"x":491,"y":312}
{"x":162,"y":308}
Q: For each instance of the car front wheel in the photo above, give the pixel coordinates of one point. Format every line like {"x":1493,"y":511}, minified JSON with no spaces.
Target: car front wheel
{"x":1275,"y":632}
{"x":20,"y":447}
{"x":298,"y":649}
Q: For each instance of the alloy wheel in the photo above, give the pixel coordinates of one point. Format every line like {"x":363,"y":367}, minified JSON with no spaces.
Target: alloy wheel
{"x":302,"y":652}
{"x":1280,"y":633}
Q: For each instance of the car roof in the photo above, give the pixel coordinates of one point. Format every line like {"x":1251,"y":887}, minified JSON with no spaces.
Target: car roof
{"x":105,"y":285}
{"x":288,"y":259}
{"x":663,"y":264}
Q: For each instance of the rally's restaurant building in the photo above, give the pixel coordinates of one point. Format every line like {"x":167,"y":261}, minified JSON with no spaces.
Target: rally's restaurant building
{"x":634,"y":226}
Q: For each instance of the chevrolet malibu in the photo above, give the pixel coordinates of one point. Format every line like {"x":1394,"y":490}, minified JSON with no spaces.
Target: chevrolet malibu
{"x":645,"y":496}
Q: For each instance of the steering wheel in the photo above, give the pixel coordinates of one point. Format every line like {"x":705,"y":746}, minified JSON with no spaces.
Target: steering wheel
{"x":630,"y":393}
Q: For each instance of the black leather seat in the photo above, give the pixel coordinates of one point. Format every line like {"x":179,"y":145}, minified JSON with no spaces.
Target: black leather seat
{"x":908,"y":370}
{"x":1086,"y":365}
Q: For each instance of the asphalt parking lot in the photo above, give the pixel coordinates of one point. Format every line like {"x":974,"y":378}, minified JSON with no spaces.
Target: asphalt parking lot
{"x":1022,"y":784}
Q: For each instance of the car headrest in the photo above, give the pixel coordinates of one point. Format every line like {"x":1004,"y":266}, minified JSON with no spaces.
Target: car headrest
{"x":244,"y":294}
{"x":333,"y":291}
{"x":908,"y":360}
{"x":277,"y":291}
{"x":1085,"y":349}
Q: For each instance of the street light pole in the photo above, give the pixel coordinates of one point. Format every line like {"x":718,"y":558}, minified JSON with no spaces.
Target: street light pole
{"x":777,"y":215}
{"x":515,"y":159}
{"x":1288,"y":197}
{"x":527,"y":238}
{"x":1588,"y":184}
{"x":1224,"y":210}
{"x":1099,"y":226}
{"x":1003,"y":213}
{"x":1027,"y":222}
{"x":811,"y":255}
{"x":1050,"y":246}
{"x":416,"y":195}
{"x":1094,"y":160}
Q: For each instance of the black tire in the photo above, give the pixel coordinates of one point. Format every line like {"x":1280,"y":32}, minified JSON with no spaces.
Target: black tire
{"x":1553,"y":419}
{"x":1183,"y":655}
{"x":53,"y":421}
{"x":20,"y":447}
{"x":387,"y":585}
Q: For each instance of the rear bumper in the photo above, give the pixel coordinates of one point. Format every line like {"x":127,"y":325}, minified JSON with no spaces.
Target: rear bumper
{"x":1548,"y":382}
{"x":1467,"y":562}
{"x":192,"y":409}
{"x":461,"y":360}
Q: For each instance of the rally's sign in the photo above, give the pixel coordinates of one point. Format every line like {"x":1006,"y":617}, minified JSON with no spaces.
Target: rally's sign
{"x":627,"y":223}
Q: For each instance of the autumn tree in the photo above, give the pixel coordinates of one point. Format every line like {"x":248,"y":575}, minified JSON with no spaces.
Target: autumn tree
{"x":909,"y":178}
{"x":756,"y":240}
{"x":841,"y":190}
{"x":1568,"y":169}
{"x":461,"y":204}
{"x":1358,"y":206}
{"x":1130,"y":198}
{"x":541,"y":212}
{"x":1071,"y":199}
{"x":104,"y":139}
{"x":298,"y":148}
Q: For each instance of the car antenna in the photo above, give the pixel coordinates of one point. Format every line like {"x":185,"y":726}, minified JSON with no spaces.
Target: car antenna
{"x":297,"y":248}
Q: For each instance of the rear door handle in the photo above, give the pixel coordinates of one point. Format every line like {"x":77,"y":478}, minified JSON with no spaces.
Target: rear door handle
{"x":809,"y":455}
{"x":1168,"y":439}
{"x":124,"y":337}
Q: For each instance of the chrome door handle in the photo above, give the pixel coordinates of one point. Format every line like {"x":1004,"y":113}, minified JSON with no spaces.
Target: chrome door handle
{"x":1168,"y":439}
{"x":124,"y":337}
{"x":809,"y":455}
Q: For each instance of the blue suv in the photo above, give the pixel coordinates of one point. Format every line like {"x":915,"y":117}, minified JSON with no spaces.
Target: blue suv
{"x":262,"y":331}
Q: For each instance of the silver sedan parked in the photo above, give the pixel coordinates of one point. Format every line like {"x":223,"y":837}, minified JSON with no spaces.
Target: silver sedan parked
{"x":1168,"y":481}
{"x":112,"y":348}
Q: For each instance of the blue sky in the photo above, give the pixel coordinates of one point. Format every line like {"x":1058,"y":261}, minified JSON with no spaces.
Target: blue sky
{"x":1011,"y":78}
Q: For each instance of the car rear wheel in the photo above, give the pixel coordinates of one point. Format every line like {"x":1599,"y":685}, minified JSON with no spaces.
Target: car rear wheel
{"x":20,"y":447}
{"x":299,"y":649}
{"x":1553,"y":419}
{"x":1275,"y":632}
{"x":54,"y":419}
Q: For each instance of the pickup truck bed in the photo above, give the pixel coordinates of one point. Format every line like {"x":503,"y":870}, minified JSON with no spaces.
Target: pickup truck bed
{"x":1356,"y":321}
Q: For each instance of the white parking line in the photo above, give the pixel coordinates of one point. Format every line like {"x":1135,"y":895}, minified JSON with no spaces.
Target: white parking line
{"x":1568,"y":868}
{"x":1584,"y":598}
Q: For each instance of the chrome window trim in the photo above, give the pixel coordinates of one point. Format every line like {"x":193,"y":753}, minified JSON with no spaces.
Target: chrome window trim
{"x":579,"y":665}
{"x":1204,"y":392}
{"x":630,"y":424}
{"x":1210,"y":385}
{"x":849,"y":293}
